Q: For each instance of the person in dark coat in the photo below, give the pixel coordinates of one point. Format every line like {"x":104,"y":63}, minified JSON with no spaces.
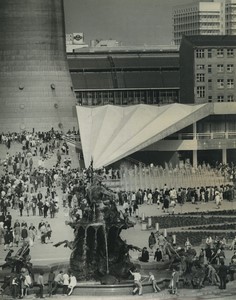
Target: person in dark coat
{"x":151,"y":240}
{"x":223,"y":271}
{"x":8,"y":238}
{"x":166,"y":203}
{"x":145,"y":255}
{"x":208,"y":253}
{"x":158,"y":255}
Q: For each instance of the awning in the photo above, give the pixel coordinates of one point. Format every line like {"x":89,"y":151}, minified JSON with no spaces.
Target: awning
{"x":109,"y":133}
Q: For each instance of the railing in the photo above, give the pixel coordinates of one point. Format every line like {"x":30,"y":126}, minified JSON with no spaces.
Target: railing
{"x":135,"y":161}
{"x":73,"y":139}
{"x":199,"y":136}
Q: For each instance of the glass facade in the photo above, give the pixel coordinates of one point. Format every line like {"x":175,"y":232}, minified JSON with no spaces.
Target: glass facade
{"x":127,"y":96}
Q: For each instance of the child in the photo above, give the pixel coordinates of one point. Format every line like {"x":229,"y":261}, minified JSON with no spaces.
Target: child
{"x":174,"y":282}
{"x":154,"y":283}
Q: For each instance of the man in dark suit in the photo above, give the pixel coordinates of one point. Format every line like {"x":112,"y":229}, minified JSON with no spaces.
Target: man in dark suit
{"x":223,"y":271}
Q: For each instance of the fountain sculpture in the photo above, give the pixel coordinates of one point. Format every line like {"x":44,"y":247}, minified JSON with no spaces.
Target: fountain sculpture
{"x":97,"y":249}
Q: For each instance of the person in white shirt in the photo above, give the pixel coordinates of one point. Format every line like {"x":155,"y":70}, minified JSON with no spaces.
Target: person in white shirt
{"x":209,"y":241}
{"x":187,"y":245}
{"x":154,"y":282}
{"x":72,"y":284}
{"x":217,"y":199}
{"x":65,"y":283}
{"x":137,"y":282}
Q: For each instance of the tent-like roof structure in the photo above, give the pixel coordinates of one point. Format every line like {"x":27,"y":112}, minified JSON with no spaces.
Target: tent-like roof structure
{"x":109,"y":133}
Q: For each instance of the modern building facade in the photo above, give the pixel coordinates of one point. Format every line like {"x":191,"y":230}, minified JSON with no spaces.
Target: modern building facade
{"x":207,"y":69}
{"x":207,"y":75}
{"x":125,"y":75}
{"x":211,"y":17}
{"x":135,"y":76}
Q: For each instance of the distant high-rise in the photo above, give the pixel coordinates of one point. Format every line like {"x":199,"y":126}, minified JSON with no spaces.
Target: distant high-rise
{"x":210,"y":17}
{"x":35,"y":85}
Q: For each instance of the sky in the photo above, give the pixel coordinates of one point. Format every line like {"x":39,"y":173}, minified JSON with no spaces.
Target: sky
{"x":133,"y":22}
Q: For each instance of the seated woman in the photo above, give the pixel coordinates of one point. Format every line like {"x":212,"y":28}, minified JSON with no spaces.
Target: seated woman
{"x":145,"y":255}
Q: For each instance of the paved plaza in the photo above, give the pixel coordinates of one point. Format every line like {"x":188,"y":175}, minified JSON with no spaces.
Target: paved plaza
{"x":44,"y":254}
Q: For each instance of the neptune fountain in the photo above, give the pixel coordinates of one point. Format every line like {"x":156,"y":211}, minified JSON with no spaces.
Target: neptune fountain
{"x":98,"y":251}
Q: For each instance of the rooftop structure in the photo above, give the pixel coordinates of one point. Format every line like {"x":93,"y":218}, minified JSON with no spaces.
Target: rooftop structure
{"x":213,"y":17}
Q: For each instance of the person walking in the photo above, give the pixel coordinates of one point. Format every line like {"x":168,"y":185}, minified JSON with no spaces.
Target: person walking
{"x":51,"y":278}
{"x":40,"y":284}
{"x":174,"y":282}
{"x":137,"y":283}
{"x":21,"y":207}
{"x":24,"y":233}
{"x":32,"y":234}
{"x":17,"y":232}
{"x":8,"y":238}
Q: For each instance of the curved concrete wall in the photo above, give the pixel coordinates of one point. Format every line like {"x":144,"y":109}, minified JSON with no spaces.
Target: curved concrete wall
{"x":35,"y":85}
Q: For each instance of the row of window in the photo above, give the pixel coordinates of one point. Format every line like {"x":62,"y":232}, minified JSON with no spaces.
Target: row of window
{"x":220,"y":68}
{"x":127,"y":97}
{"x":220,"y":81}
{"x":201,"y":53}
{"x":201,"y":93}
{"x":221,"y":98}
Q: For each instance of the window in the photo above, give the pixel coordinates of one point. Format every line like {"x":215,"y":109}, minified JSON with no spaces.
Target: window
{"x":209,"y":69}
{"x":230,"y":52}
{"x":230,"y":68}
{"x":209,"y":98}
{"x":200,"y":77}
{"x":220,"y":98}
{"x":209,"y":52}
{"x":200,"y":67}
{"x":230,"y":83}
{"x":220,"y":52}
{"x":230,"y":98}
{"x":200,"y":92}
{"x":220,"y":68}
{"x":209,"y":84}
{"x":200,"y":53}
{"x":220,"y":83}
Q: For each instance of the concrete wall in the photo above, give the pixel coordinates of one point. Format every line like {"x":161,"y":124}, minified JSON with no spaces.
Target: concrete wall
{"x":35,"y":85}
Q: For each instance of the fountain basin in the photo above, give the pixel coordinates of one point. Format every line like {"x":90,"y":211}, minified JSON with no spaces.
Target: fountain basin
{"x":95,"y":288}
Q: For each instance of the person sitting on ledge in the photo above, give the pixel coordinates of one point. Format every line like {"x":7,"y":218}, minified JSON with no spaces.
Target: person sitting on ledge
{"x":145,"y":255}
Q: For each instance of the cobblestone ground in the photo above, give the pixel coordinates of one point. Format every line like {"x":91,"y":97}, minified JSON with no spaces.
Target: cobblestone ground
{"x":43,"y":254}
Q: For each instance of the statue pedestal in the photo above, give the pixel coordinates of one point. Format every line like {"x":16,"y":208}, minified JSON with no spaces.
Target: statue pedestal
{"x":144,"y":226}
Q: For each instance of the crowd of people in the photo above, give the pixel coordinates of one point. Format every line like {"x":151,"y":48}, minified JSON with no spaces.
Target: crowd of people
{"x":209,"y":265}
{"x":32,"y":189}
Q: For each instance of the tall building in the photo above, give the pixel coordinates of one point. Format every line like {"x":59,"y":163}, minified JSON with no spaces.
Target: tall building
{"x":35,"y":85}
{"x":207,"y":69}
{"x":211,"y":17}
{"x":230,"y":17}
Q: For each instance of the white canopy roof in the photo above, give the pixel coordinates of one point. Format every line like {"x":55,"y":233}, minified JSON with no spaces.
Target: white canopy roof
{"x":109,"y":133}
